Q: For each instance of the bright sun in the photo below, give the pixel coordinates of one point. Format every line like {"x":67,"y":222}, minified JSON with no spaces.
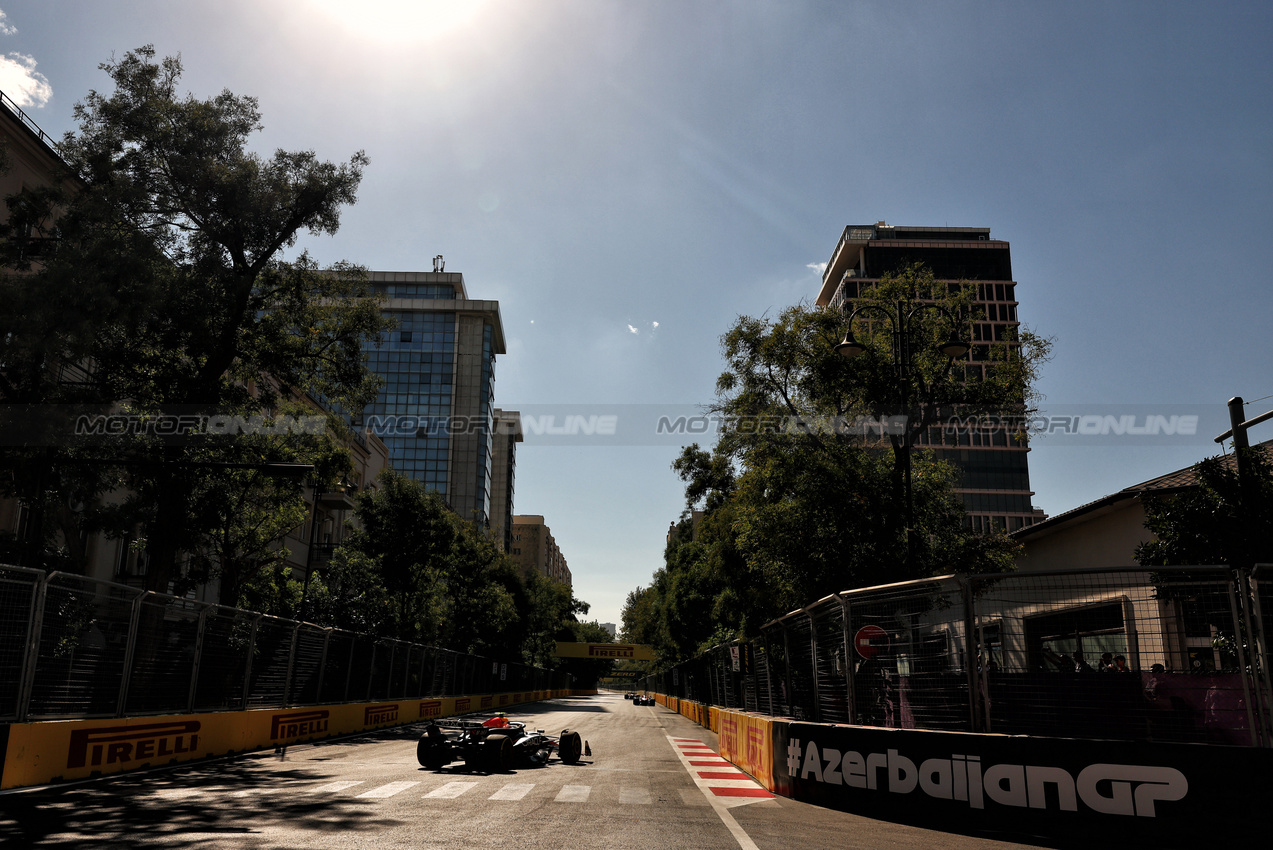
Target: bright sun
{"x":399,"y":20}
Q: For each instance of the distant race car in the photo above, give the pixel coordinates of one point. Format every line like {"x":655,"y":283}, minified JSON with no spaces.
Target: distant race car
{"x":629,"y":695}
{"x":493,"y":745}
{"x":643,"y":699}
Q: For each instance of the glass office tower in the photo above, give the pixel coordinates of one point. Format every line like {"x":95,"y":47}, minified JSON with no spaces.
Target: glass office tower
{"x":436,"y":409}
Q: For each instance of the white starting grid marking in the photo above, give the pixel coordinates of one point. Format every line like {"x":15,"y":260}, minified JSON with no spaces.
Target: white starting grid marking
{"x":629,"y":795}
{"x":450,"y":791}
{"x":334,"y":787}
{"x":386,"y":790}
{"x":511,"y":791}
{"x":573,"y":794}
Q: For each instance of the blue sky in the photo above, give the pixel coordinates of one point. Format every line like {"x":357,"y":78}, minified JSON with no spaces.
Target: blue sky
{"x":599,"y":167}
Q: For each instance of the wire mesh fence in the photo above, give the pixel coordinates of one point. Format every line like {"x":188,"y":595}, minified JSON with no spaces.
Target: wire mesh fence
{"x":71,"y":646}
{"x":1166,"y":654}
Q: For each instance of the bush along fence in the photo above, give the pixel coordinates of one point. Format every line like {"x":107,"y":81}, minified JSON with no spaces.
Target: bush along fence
{"x":97,"y":677}
{"x":1045,"y":703}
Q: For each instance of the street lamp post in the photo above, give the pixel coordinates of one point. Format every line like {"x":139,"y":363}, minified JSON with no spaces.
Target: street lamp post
{"x":900,"y":320}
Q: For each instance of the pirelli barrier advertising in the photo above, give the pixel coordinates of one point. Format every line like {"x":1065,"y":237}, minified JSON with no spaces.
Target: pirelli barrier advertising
{"x":1144,"y":793}
{"x":60,"y":750}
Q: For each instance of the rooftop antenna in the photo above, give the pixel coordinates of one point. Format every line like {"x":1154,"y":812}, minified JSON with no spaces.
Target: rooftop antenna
{"x":439,"y":264}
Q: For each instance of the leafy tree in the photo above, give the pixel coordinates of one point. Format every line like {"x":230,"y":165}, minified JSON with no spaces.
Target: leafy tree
{"x":406,"y":539}
{"x":798,"y":503}
{"x":1218,"y":521}
{"x":170,"y":290}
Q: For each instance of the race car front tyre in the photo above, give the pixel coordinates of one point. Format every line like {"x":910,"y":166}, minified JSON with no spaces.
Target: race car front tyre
{"x":569,"y":747}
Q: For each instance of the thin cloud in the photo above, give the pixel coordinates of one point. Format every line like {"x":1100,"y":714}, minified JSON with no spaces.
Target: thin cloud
{"x":654,"y":324}
{"x":6,"y":28}
{"x":632,"y":329}
{"x":21,"y":82}
{"x":817,"y":267}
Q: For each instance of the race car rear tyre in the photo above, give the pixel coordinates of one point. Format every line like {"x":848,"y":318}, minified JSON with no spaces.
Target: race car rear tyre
{"x":497,"y":752}
{"x":429,"y":753}
{"x":569,"y":747}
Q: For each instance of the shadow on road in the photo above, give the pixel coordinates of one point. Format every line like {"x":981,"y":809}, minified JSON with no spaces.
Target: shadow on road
{"x":173,"y":806}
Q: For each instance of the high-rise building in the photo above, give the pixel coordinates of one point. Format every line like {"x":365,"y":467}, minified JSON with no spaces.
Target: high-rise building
{"x":508,"y":433}
{"x":995,"y":480}
{"x":536,"y":551}
{"x":436,"y":409}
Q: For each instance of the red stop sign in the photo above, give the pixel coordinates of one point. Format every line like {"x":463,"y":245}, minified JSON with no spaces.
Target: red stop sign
{"x":870,"y":640}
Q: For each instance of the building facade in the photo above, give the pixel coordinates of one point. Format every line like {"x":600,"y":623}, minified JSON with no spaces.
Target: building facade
{"x":995,"y":476}
{"x":508,"y":433}
{"x":436,"y":409}
{"x":535,"y":551}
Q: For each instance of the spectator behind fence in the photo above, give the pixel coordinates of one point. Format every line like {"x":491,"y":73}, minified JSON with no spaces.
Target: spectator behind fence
{"x":1080,"y":663}
{"x":1107,"y":662}
{"x":1120,"y":664}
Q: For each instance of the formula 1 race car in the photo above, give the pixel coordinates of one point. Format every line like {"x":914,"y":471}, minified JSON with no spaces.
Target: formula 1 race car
{"x":643,"y":699}
{"x":494,"y":745}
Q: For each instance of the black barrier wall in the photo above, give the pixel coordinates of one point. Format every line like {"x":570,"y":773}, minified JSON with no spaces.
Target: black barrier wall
{"x":1135,"y":793}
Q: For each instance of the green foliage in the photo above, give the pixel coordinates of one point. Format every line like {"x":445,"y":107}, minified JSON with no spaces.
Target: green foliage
{"x":1219,"y":521}
{"x":414,"y":570}
{"x":797,"y":506}
{"x":168,"y":292}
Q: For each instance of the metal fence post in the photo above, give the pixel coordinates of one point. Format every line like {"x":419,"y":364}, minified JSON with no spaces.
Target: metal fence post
{"x":198,"y":658}
{"x":130,"y":652}
{"x":35,"y":626}
{"x":786,"y":672}
{"x":769,"y":677}
{"x":247,"y":666}
{"x":1235,"y":579}
{"x":1255,"y":648}
{"x":371,"y":671}
{"x":816,"y":708}
{"x":850,"y":685}
{"x":972,"y":656}
{"x":322,"y":663}
{"x":291,"y":665}
{"x":1262,"y":654}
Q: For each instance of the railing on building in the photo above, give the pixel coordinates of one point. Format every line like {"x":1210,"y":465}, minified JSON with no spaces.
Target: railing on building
{"x":71,"y":646}
{"x":997,"y":654}
{"x":12,"y":105}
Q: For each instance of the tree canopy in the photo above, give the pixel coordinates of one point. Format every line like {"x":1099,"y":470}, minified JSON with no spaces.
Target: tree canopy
{"x":416,"y":571}
{"x":1221,"y":520}
{"x":798,"y":499}
{"x":168,"y":293}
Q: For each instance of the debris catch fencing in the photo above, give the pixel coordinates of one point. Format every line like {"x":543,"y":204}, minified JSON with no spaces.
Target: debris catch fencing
{"x":71,"y":646}
{"x":1163,"y":654}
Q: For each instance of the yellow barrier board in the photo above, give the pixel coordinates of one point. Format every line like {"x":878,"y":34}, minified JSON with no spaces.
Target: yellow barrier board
{"x":49,"y":751}
{"x":747,"y":741}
